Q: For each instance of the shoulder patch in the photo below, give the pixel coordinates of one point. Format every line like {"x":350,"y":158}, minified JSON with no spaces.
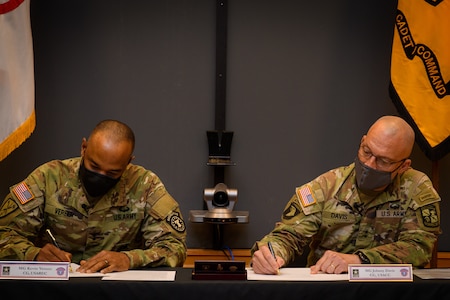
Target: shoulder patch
{"x":427,"y":197}
{"x":8,"y":206}
{"x":427,"y":194}
{"x":430,"y":215}
{"x":305,"y":196}
{"x":23,"y":193}
{"x":163,"y":206}
{"x":291,"y":211}
{"x":176,"y":222}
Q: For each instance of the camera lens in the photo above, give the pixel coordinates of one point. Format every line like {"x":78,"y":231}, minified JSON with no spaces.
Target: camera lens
{"x":220,"y":199}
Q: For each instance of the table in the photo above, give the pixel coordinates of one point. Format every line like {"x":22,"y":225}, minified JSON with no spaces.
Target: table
{"x":185,"y":288}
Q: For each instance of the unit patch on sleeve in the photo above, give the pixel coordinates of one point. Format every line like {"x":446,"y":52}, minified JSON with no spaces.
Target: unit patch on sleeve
{"x":8,"y":206}
{"x":305,"y":195}
{"x":23,"y":192}
{"x":430,"y":216}
{"x":176,"y":222}
{"x":291,"y":211}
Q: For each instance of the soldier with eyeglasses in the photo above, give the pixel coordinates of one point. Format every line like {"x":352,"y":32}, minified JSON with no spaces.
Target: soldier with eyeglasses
{"x":377,"y":210}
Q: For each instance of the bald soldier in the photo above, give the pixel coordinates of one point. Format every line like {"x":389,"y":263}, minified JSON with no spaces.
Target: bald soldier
{"x":104,"y":212}
{"x":375,"y":210}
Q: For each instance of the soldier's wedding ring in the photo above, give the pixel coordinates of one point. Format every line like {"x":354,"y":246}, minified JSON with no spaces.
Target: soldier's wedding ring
{"x":106,"y":262}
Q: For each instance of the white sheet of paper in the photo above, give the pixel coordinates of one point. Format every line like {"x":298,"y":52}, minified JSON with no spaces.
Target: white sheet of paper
{"x":296,"y":274}
{"x":136,"y":275}
{"x":74,"y":273}
{"x":432,"y":273}
{"x":78,"y":274}
{"x":141,"y":275}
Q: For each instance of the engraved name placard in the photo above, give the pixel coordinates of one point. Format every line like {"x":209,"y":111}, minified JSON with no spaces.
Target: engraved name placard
{"x":34,"y":270}
{"x":380,"y":272}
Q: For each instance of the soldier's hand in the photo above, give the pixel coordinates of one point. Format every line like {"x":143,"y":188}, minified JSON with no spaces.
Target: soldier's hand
{"x":264,"y":263}
{"x":105,"y":262}
{"x":334,"y":262}
{"x":52,"y":253}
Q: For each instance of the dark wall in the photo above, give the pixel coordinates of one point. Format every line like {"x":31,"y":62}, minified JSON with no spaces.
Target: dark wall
{"x":305,"y":79}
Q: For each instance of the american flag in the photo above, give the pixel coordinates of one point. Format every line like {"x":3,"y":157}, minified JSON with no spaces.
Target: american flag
{"x":23,"y":192}
{"x":17,"y":115}
{"x":306,"y":196}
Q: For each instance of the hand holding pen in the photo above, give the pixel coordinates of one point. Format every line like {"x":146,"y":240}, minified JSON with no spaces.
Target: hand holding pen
{"x":265,"y":261}
{"x":52,"y":252}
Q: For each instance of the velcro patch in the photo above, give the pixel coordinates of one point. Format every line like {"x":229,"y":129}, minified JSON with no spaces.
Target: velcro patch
{"x":291,"y":211}
{"x":176,"y":222}
{"x":8,"y":206}
{"x":305,"y":195}
{"x":430,"y":216}
{"x":23,"y":192}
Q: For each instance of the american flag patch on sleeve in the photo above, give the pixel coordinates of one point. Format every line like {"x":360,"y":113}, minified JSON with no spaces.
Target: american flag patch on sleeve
{"x":305,"y":195}
{"x":23,"y":192}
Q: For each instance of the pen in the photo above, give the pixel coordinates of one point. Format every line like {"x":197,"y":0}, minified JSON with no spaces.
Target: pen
{"x":52,"y":238}
{"x":50,"y":235}
{"x":269,"y":244}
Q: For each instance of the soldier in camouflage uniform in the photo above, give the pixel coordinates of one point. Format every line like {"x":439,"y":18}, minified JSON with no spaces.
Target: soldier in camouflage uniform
{"x":104,"y":212}
{"x":375,"y":210}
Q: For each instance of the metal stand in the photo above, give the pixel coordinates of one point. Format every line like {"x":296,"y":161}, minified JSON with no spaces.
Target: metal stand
{"x":219,"y":140}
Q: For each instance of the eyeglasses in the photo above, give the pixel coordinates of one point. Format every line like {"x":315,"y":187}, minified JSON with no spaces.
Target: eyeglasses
{"x":381,"y":162}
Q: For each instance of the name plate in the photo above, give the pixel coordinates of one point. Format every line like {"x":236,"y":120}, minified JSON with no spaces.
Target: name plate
{"x":380,"y":272}
{"x":34,"y":270}
{"x":219,"y":270}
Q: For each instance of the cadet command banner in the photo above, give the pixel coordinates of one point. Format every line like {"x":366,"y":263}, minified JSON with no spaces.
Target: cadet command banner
{"x":420,"y":71}
{"x":17,"y":116}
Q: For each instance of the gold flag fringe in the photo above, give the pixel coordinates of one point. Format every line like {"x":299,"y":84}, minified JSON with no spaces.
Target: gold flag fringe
{"x":18,"y":136}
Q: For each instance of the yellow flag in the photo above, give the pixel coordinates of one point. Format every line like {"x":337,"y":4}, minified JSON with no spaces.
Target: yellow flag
{"x":420,"y":71}
{"x":17,"y":116}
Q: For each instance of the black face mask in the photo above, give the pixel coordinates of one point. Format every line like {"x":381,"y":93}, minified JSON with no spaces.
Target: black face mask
{"x":96,"y":184}
{"x":369,"y":179}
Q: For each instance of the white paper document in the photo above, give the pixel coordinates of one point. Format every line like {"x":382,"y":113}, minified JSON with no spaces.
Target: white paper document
{"x":78,"y":274}
{"x":296,"y":274}
{"x":141,"y":275}
{"x":432,"y":273}
{"x":73,"y":272}
{"x":132,"y":275}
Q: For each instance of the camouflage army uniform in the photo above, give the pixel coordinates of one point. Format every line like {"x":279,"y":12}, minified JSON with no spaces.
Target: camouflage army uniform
{"x":137,"y":217}
{"x":400,"y":225}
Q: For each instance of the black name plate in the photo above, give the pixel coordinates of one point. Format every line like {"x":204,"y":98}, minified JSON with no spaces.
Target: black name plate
{"x":219,"y":270}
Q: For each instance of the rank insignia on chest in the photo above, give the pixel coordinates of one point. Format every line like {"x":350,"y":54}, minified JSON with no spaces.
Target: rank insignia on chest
{"x":305,"y":196}
{"x":23,"y":192}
